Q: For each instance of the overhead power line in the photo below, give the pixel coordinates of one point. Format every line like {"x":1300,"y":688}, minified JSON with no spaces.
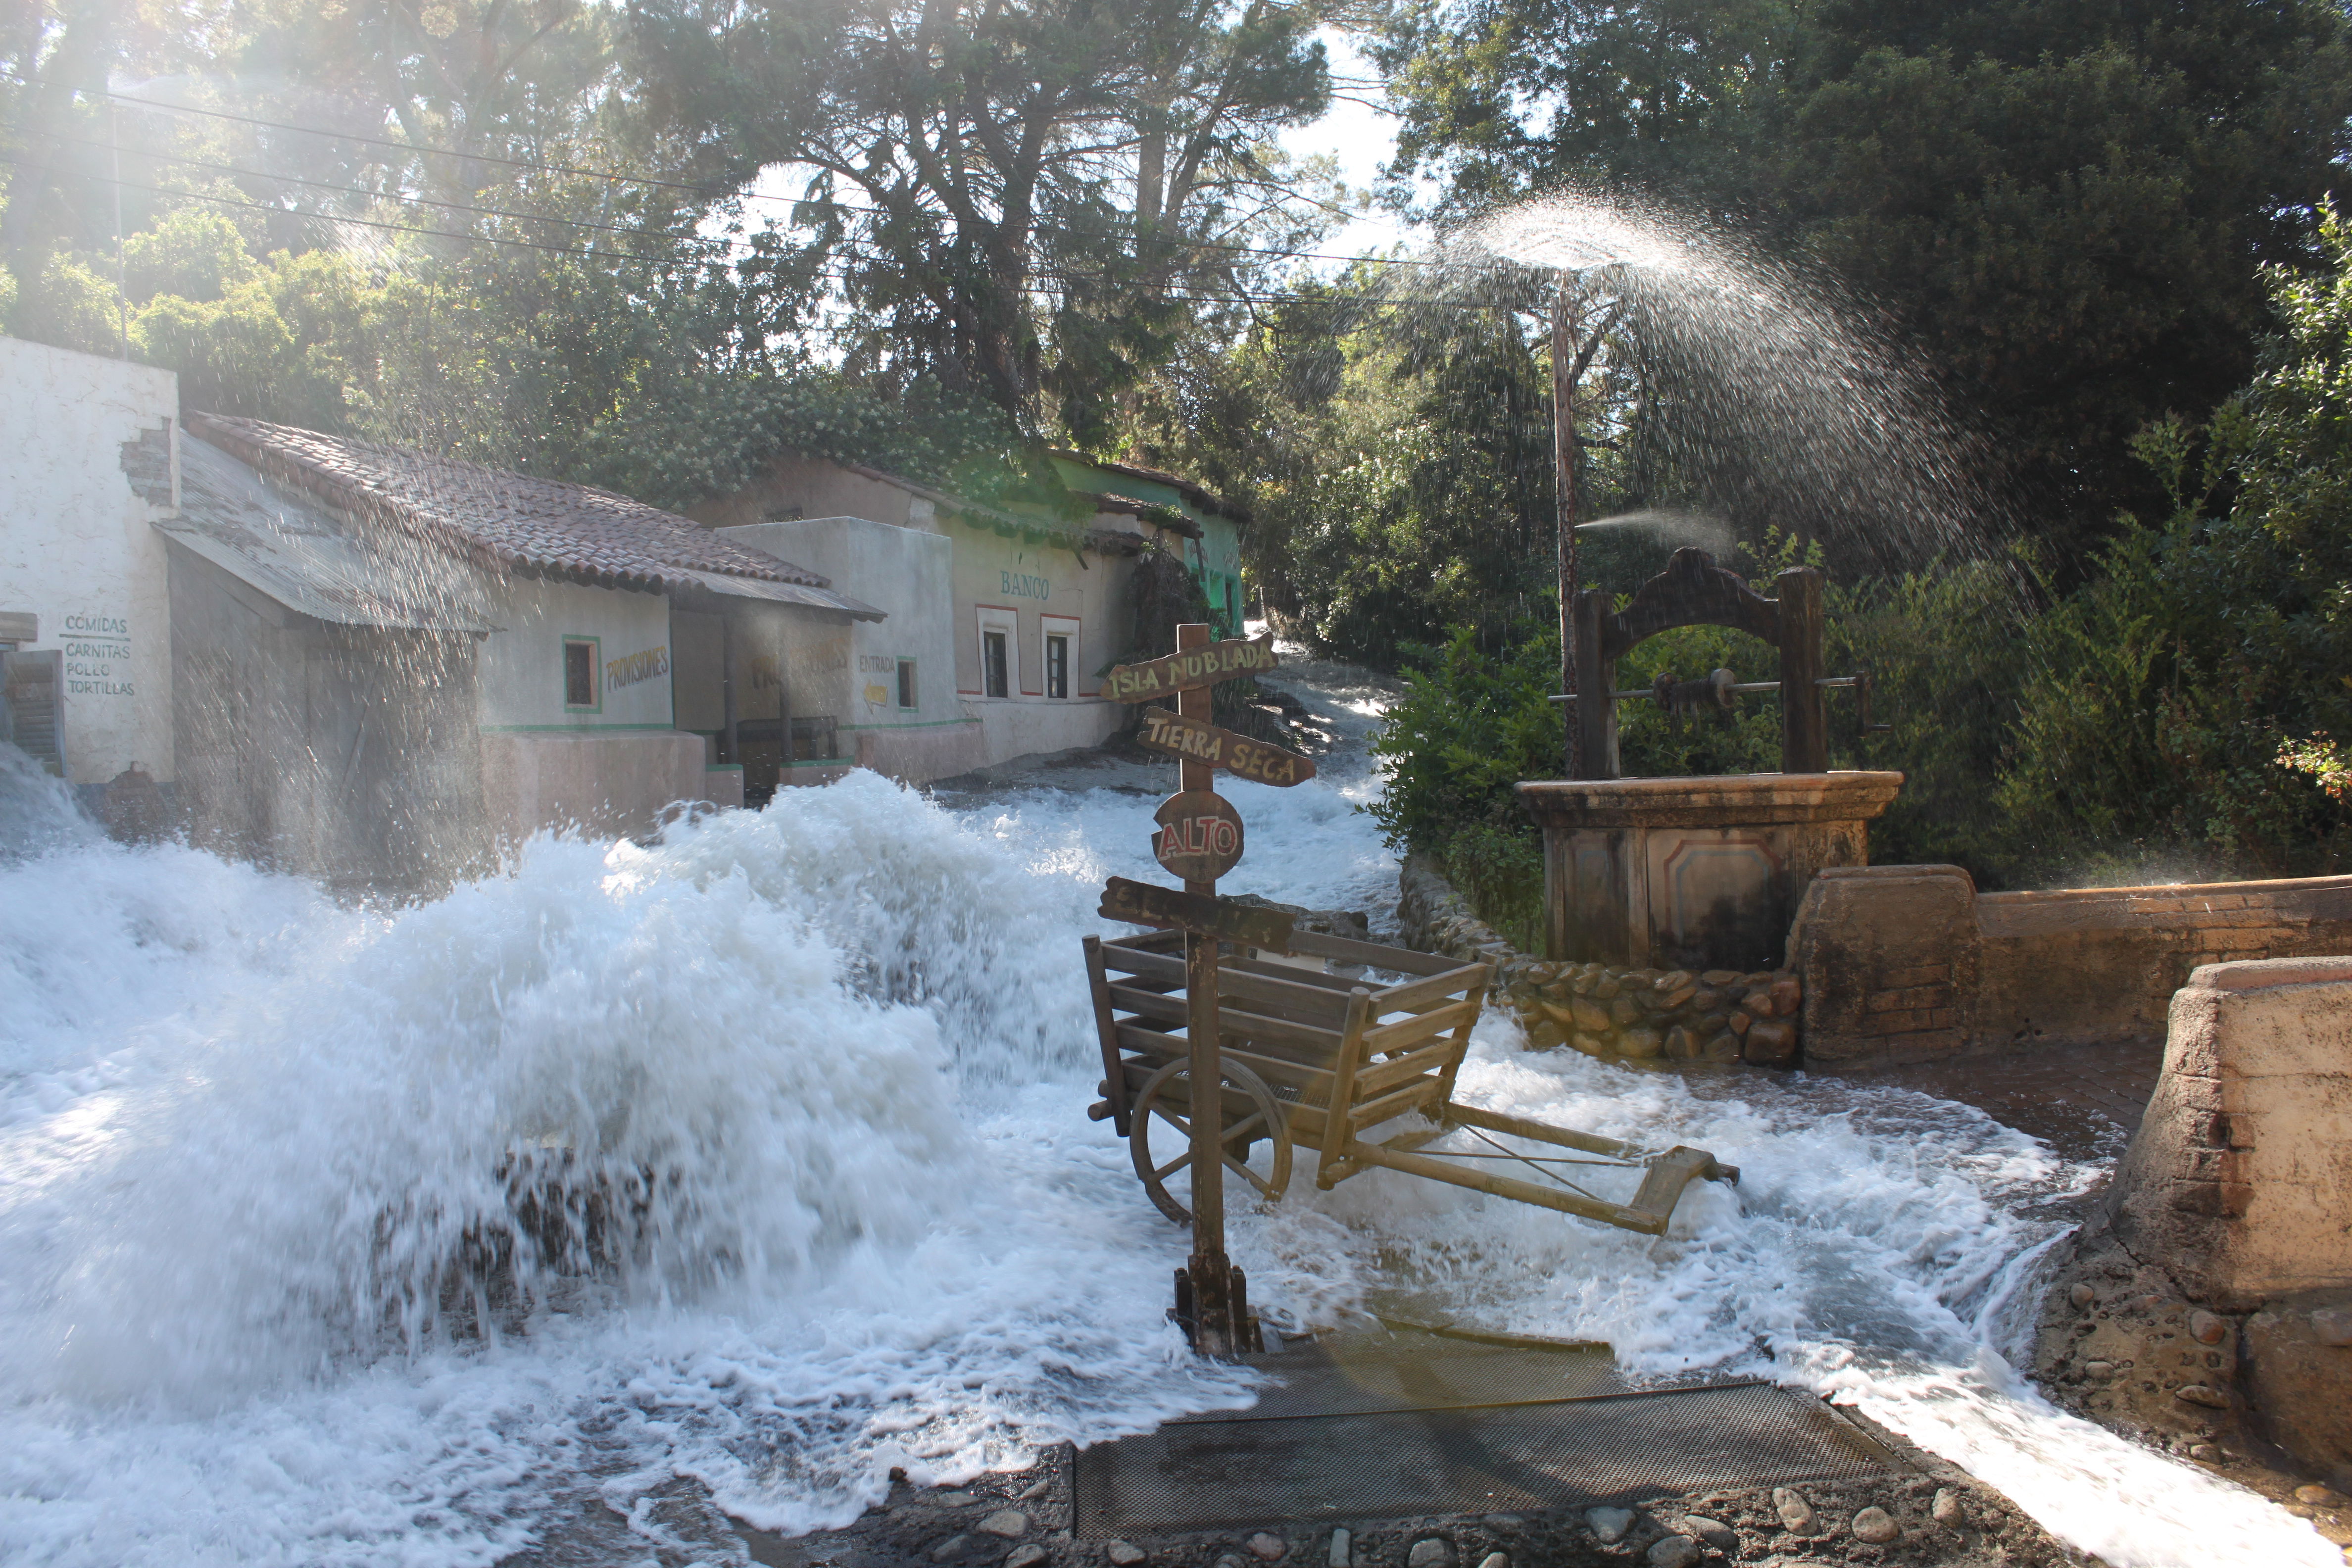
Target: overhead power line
{"x":276,"y":211}
{"x":379,"y":196}
{"x":703,"y":193}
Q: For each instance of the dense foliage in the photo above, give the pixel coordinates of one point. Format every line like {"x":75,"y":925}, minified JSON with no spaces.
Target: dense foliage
{"x":1007,"y":195}
{"x":2192,"y":700}
{"x":2066,"y":207}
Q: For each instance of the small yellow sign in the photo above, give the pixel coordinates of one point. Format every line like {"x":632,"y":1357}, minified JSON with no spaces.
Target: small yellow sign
{"x":877,"y":695}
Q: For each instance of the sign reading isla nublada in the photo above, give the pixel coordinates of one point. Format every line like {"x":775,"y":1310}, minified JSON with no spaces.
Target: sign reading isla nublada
{"x":1237,"y":754}
{"x":1190,"y":668}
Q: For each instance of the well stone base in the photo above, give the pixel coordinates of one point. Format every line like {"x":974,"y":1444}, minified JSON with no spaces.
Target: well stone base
{"x":1694,"y":873}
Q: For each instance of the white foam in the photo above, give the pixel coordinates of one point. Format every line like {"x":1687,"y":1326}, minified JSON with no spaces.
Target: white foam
{"x":848,"y":1037}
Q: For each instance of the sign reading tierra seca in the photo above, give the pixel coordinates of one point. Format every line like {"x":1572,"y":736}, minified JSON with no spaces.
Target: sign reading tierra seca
{"x":1189,"y":668}
{"x":1237,"y":754}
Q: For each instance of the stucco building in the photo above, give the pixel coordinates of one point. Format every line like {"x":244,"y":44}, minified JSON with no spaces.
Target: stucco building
{"x":1007,"y":661}
{"x":378,"y":665}
{"x":85,"y":625}
{"x":371,"y":664}
{"x":628,"y":659}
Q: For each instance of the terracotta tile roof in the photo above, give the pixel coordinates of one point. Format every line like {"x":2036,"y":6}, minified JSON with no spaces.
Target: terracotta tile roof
{"x":502,"y":519}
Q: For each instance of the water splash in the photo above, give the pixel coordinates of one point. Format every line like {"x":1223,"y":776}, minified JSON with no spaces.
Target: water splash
{"x":38,"y":815}
{"x":1766,"y":393}
{"x":847,"y":1036}
{"x":1669,"y":528}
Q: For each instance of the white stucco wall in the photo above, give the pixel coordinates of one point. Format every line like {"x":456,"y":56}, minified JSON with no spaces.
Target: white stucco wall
{"x":1019,"y":582}
{"x":907,"y":574}
{"x":77,"y":551}
{"x":522,"y":663}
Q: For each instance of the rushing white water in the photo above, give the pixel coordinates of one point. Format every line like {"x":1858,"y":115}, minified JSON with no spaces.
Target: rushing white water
{"x":830,"y":1061}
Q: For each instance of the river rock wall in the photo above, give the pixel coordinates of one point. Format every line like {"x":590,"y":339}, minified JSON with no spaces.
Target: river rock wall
{"x":1639,"y":1015}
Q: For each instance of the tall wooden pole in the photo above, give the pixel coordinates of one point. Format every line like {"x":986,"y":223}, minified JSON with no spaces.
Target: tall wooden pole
{"x":1564,"y":467}
{"x":1208,"y":1268}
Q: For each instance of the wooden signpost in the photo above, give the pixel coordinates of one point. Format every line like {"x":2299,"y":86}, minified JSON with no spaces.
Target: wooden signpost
{"x":1199,"y":839}
{"x":1306,"y":1059}
{"x":1140,"y":903}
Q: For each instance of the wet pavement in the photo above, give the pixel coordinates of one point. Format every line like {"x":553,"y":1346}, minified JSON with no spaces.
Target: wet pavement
{"x":2084,"y":1101}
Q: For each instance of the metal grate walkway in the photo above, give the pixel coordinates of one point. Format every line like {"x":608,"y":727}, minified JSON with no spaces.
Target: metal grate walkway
{"x":1458,"y":1429}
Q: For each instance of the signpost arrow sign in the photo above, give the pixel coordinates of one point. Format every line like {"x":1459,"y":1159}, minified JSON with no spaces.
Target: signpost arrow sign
{"x":1140,"y":903}
{"x":1188,"y":669}
{"x":1236,"y":753}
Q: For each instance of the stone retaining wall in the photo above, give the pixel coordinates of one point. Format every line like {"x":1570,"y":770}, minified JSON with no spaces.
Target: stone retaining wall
{"x":2209,"y":1297}
{"x":1719,"y":1016}
{"x":1911,"y":962}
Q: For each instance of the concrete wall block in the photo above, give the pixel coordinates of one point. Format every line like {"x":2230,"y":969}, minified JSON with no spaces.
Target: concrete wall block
{"x":2297,"y":1384}
{"x":599,"y":783}
{"x":913,"y":755}
{"x":1857,"y":933}
{"x":2240,"y":1176}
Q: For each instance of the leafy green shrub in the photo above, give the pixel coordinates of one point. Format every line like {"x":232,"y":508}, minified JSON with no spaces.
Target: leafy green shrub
{"x":1946,"y":653}
{"x":2184,"y":708}
{"x":1470,"y":725}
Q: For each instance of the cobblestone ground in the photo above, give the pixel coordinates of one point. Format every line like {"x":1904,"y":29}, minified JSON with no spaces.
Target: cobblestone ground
{"x":1936,"y":1515}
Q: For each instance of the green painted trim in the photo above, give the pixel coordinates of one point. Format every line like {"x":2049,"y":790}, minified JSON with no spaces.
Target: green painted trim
{"x":824,"y":763}
{"x":575,"y":729}
{"x":595,"y":672}
{"x":911,"y":724}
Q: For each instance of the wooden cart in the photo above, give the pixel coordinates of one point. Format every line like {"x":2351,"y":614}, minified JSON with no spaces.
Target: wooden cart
{"x":1315,"y":1060}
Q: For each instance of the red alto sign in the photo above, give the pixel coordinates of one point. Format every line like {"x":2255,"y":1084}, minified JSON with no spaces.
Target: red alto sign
{"x":1200,"y":835}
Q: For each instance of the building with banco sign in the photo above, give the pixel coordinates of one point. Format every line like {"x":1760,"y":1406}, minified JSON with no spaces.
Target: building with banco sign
{"x":376,"y":665}
{"x":1009,"y":662}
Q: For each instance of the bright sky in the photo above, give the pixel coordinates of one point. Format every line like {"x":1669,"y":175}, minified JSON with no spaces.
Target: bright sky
{"x":1362,"y":136}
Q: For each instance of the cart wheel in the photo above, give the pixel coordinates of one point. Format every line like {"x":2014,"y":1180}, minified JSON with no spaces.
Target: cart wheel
{"x":1251,"y":1112}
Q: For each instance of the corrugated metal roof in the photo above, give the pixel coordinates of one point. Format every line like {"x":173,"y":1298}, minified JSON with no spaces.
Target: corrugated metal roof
{"x":306,"y":560}
{"x":511,"y":520}
{"x":788,"y":594}
{"x":1193,"y":492}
